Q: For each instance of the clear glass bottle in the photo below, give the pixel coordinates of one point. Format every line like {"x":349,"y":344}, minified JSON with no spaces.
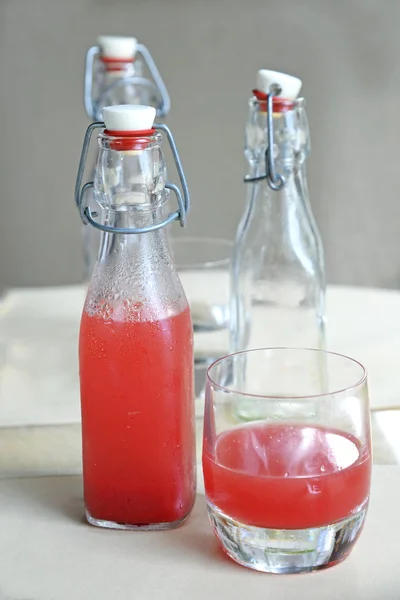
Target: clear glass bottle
{"x":115,"y":75}
{"x":278,"y":279}
{"x":136,"y":338}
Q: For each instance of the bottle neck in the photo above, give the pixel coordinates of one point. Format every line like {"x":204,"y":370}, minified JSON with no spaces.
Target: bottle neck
{"x":289,"y":134}
{"x":283,"y":215}
{"x":129,"y":186}
{"x":291,"y":146}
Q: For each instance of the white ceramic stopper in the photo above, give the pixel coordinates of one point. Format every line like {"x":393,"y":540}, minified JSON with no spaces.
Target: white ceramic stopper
{"x":129,"y":117}
{"x":117,"y":46}
{"x":289,"y":85}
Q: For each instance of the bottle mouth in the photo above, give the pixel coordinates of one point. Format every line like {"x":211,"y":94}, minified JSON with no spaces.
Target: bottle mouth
{"x":123,"y":141}
{"x":107,"y":60}
{"x":279,"y":105}
{"x":111,"y":63}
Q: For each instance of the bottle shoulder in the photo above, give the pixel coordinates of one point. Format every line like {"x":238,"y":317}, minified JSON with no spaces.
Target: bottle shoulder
{"x":128,"y":289}
{"x":276,"y":248}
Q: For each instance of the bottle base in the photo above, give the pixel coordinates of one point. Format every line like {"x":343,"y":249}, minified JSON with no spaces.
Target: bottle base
{"x":133,"y":526}
{"x":286,"y":550}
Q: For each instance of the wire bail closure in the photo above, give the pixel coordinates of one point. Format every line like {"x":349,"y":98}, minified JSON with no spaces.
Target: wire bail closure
{"x":88,"y":216}
{"x":157,"y":85}
{"x":275,"y":180}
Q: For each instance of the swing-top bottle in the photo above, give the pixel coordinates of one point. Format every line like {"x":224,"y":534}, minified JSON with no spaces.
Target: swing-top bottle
{"x":278,"y":280}
{"x":115,"y":74}
{"x":136,"y":346}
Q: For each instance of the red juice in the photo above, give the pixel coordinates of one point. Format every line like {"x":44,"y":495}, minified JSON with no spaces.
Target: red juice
{"x":137,"y":402}
{"x":286,"y":476}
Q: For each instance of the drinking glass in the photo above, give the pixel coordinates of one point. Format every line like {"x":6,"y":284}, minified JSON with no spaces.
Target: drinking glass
{"x":204,"y":269}
{"x":287,"y":457}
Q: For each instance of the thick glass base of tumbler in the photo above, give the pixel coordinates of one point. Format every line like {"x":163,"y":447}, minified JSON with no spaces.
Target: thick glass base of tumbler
{"x":132,"y":526}
{"x":286,"y":550}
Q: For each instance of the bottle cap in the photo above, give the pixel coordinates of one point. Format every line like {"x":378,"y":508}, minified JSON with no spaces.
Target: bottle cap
{"x":129,"y":117}
{"x":117,"y":46}
{"x":290,"y":86}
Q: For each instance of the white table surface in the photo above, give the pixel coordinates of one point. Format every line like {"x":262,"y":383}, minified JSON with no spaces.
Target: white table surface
{"x":39,"y":392}
{"x":49,"y":553}
{"x":38,"y":348}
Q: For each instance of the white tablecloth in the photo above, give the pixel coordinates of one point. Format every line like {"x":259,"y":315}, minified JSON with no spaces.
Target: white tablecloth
{"x":49,"y":553}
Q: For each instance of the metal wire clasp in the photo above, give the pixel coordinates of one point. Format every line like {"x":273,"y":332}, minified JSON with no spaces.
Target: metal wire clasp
{"x":182,"y":196}
{"x":92,"y":106}
{"x":275,"y":180}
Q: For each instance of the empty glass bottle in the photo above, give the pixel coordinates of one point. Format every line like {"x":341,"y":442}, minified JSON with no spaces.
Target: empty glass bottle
{"x":136,"y":338}
{"x":278,"y":280}
{"x":114,"y":75}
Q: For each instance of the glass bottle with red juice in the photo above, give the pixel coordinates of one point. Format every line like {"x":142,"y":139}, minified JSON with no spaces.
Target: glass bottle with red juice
{"x":135,"y":346}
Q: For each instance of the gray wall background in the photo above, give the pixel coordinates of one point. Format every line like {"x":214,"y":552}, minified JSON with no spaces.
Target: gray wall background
{"x":346,"y":51}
